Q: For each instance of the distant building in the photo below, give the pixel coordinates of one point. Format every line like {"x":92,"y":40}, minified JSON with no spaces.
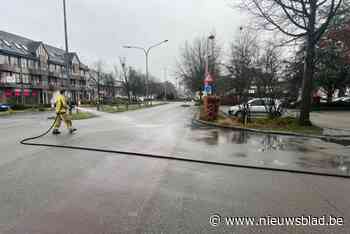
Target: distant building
{"x":108,"y":88}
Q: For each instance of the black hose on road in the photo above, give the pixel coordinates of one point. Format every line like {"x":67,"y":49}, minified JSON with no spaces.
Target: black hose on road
{"x":26,"y":142}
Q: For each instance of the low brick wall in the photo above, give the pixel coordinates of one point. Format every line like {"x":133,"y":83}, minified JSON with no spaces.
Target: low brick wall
{"x":211,"y":107}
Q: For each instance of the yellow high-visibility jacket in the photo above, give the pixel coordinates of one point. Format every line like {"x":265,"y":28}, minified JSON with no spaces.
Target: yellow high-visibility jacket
{"x":61,"y":104}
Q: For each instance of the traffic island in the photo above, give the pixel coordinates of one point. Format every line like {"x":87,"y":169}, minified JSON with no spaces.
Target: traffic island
{"x":282,"y":125}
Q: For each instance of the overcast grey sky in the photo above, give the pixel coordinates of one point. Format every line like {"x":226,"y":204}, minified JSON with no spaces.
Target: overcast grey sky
{"x":99,"y":28}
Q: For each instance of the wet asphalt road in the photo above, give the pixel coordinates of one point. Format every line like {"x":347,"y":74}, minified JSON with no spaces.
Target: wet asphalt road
{"x":45,"y":190}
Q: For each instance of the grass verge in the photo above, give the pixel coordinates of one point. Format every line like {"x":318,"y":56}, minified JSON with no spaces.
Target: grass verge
{"x":82,"y":115}
{"x":30,"y":110}
{"x":124,"y":108}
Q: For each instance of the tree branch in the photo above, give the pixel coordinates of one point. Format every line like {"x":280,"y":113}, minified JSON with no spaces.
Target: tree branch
{"x":332,"y":12}
{"x":285,"y":10}
{"x":270,"y":20}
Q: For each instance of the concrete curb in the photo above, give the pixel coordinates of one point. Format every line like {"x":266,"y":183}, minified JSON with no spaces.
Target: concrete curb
{"x":324,"y":137}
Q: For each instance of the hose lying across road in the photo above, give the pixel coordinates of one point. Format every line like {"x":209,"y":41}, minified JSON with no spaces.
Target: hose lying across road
{"x":26,"y":141}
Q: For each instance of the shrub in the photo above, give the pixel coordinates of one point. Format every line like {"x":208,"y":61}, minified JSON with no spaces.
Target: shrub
{"x":20,"y":107}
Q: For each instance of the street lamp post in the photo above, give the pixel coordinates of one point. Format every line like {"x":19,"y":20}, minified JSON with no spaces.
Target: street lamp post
{"x":146,"y":51}
{"x":211,"y":37}
{"x":165,"y":84}
{"x":66,"y":43}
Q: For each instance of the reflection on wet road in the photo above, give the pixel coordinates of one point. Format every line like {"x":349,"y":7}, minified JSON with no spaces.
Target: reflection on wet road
{"x":307,"y":153}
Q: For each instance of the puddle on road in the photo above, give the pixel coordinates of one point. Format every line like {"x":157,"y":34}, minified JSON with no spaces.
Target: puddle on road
{"x":276,"y":150}
{"x":263,"y":142}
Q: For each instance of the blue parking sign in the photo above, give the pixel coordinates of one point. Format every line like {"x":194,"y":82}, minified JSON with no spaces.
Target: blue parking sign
{"x":208,"y":89}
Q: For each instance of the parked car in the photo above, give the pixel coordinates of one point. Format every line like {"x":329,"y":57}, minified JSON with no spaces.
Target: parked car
{"x":341,"y":99}
{"x":341,"y":102}
{"x":5,"y":107}
{"x":257,"y":105}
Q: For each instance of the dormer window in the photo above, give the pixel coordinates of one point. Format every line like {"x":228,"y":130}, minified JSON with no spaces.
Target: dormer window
{"x":18,"y":46}
{"x":6,"y":43}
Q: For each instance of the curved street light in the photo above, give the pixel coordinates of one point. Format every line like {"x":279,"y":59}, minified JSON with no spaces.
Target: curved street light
{"x":146,"y":51}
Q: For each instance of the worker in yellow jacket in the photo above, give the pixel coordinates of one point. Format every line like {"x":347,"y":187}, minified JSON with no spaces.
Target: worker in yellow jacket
{"x":62,"y":114}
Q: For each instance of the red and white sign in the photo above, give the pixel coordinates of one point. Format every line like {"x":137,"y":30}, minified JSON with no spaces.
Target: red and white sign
{"x":209,"y":79}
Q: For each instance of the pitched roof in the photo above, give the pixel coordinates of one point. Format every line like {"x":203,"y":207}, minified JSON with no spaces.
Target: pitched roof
{"x":14,"y":44}
{"x":22,"y":46}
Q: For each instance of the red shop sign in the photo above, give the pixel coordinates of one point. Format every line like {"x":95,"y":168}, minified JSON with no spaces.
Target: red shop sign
{"x":26,"y":92}
{"x":8,"y":93}
{"x":17,"y":92}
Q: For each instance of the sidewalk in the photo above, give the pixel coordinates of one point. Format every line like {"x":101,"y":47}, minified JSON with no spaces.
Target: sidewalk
{"x":333,"y":122}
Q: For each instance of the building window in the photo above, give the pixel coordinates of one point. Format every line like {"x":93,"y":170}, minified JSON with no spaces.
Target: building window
{"x":4,"y":77}
{"x":4,"y":59}
{"x":17,"y":77}
{"x":24,"y":63}
{"x":31,"y":64}
{"x":45,"y":82}
{"x":25,"y":79}
{"x":36,"y":80}
{"x":36,"y":64}
{"x":14,"y":61}
{"x":52,"y":67}
{"x":76,"y":68}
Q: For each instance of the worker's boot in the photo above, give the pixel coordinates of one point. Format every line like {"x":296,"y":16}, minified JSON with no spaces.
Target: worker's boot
{"x":56,"y":131}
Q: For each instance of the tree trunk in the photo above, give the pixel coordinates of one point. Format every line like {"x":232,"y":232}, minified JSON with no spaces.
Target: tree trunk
{"x":342,"y":91}
{"x":129,"y":98}
{"x":330,"y":95}
{"x":309,"y":68}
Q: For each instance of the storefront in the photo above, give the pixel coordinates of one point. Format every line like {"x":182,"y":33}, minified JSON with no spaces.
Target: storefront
{"x":19,"y":96}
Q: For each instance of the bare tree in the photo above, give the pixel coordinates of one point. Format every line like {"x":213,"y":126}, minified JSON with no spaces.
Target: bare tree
{"x":192,"y":64}
{"x":242,"y":62}
{"x":267,"y":79}
{"x":95,"y":77}
{"x":124,"y":77}
{"x":306,"y":19}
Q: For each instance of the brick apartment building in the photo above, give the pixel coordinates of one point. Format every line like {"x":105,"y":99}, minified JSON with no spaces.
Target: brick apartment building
{"x":31,"y":71}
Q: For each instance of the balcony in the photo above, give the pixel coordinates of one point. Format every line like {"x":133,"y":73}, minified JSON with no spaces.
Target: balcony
{"x":10,"y":68}
{"x":16,"y":85}
{"x":55,"y":74}
{"x":76,"y":76}
{"x":38,"y":71}
{"x":9,"y":85}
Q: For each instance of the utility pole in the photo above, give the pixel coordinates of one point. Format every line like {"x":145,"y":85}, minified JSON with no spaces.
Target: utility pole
{"x":165,"y":84}
{"x":66,"y":44}
{"x":98,"y":90}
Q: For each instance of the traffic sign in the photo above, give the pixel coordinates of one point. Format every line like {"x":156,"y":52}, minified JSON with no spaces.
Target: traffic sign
{"x":209,"y":79}
{"x":208,"y":89}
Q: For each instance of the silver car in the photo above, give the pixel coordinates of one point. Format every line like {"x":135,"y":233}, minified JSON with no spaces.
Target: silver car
{"x":257,"y":105}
